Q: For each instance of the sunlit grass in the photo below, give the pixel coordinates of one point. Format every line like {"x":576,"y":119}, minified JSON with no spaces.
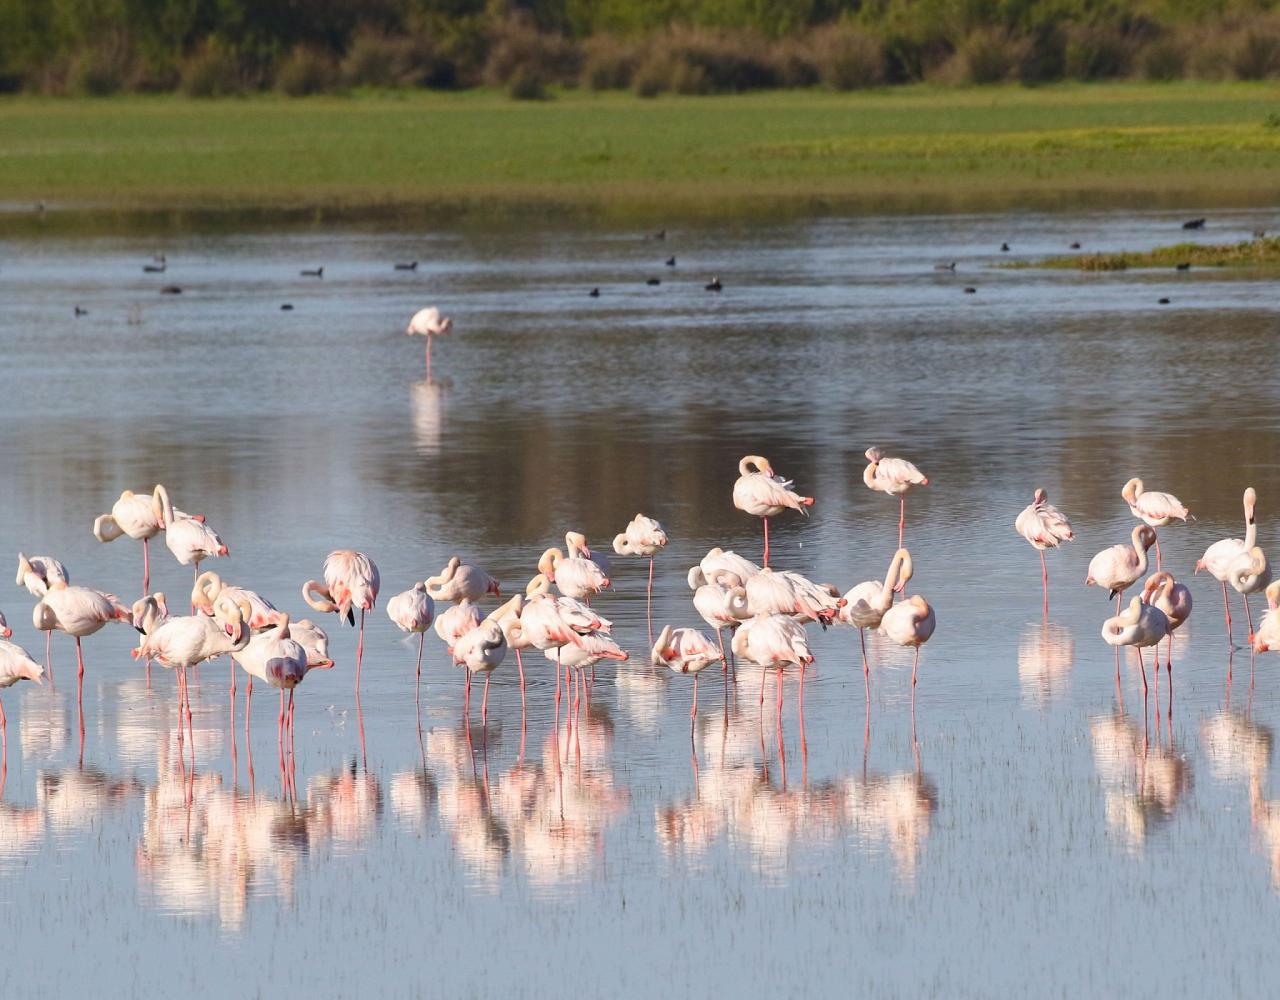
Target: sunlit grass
{"x":1250,"y":253}
{"x":614,"y":152}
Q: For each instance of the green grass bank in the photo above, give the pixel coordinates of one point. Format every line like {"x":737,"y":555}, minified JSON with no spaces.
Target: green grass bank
{"x":479,"y":153}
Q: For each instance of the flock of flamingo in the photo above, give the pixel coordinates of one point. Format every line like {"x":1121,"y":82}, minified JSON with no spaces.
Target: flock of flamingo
{"x":765,"y":610}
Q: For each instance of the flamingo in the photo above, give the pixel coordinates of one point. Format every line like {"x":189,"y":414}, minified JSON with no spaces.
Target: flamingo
{"x":15,"y":665}
{"x":274,"y":657}
{"x":5,"y":631}
{"x":209,"y":587}
{"x":910,"y":623}
{"x":413,"y":611}
{"x":455,"y":622}
{"x":1045,"y":527}
{"x":580,"y":617}
{"x":1218,"y":557}
{"x":481,"y":650}
{"x":134,"y":514}
{"x":721,"y":602}
{"x":774,"y":642}
{"x":508,"y":617}
{"x":1139,"y":625}
{"x":772,"y":592}
{"x":643,"y":537}
{"x":1268,"y":635}
{"x":188,"y":538}
{"x":189,"y":640}
{"x":865,"y":605}
{"x":1152,"y":508}
{"x":575,"y":576}
{"x":38,"y":574}
{"x":1249,"y":573}
{"x":1174,"y":599}
{"x":350,"y":581}
{"x":761,"y":494}
{"x":429,"y":323}
{"x":1120,"y":566}
{"x":893,"y":476}
{"x":458,"y":581}
{"x":575,"y":544}
{"x":79,"y":612}
{"x":584,"y":653}
{"x":686,"y":651}
{"x":314,"y":640}
{"x":719,"y":560}
{"x":149,"y":612}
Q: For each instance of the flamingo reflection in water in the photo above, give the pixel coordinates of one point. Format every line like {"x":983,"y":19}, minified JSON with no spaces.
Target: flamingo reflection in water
{"x":1142,"y":782}
{"x":1045,"y":655}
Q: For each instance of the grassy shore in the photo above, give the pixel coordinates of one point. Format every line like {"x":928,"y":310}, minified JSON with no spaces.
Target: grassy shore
{"x":906,"y":148}
{"x":1263,"y":252}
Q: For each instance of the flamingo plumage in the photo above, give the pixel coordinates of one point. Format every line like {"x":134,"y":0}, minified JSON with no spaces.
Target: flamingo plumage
{"x":865,"y":605}
{"x":1045,"y":527}
{"x":893,"y":476}
{"x":413,"y":610}
{"x":761,"y":493}
{"x":685,"y":651}
{"x":350,"y":581}
{"x":429,"y":323}
{"x":1219,"y":556}
{"x":1139,"y":625}
{"x":1153,"y":508}
{"x":16,"y":665}
{"x":643,"y":536}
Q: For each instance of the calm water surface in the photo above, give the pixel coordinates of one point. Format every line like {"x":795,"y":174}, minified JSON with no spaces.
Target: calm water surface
{"x":1037,"y":832}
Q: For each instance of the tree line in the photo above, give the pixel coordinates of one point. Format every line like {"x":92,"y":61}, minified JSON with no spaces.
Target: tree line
{"x":530,"y":47}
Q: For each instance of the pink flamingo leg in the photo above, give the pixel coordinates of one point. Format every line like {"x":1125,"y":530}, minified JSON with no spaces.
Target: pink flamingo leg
{"x":902,"y":517}
{"x":520,"y":665}
{"x":1226,"y":610}
{"x":146,"y":566}
{"x":1158,"y":563}
{"x":763,"y":674}
{"x":428,"y":357}
{"x":1249,"y":616}
{"x":417,"y":684}
{"x":1044,"y":580}
{"x":233,"y":680}
{"x":649,"y":602}
{"x":915,"y":664}
{"x":766,"y":543}
{"x":1143,"y":668}
{"x":280,"y":727}
{"x":724,"y":659}
{"x":79,"y":673}
{"x":866,"y":667}
{"x":4,"y":731}
{"x":484,"y":702}
{"x":693,"y":712}
{"x":359,"y":649}
{"x":466,"y":700}
{"x":248,"y":706}
{"x":48,"y":647}
{"x":195,"y":576}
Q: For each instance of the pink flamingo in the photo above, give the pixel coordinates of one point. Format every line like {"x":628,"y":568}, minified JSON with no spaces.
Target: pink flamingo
{"x":5,"y":630}
{"x":1117,"y":568}
{"x":455,"y":622}
{"x":413,"y":611}
{"x":643,"y":537}
{"x":910,"y":623}
{"x":482,"y":650}
{"x":719,"y":560}
{"x":275,"y":657}
{"x":508,"y":618}
{"x":721,"y":602}
{"x":350,"y":581}
{"x":38,"y":574}
{"x":458,"y":581}
{"x":575,"y":576}
{"x":543,"y":623}
{"x":584,"y":653}
{"x":134,"y":514}
{"x":209,"y":587}
{"x":773,"y":642}
{"x":772,"y":592}
{"x":1154,"y":509}
{"x":865,"y":605}
{"x":685,"y":651}
{"x":1174,"y":600}
{"x":429,"y":323}
{"x":1268,"y":635}
{"x":1139,"y":625}
{"x":188,"y":538}
{"x":1218,"y":557}
{"x":762,"y":494}
{"x":15,"y":665}
{"x":1249,"y":573}
{"x":893,"y":476}
{"x":79,"y":612}
{"x":1045,"y":527}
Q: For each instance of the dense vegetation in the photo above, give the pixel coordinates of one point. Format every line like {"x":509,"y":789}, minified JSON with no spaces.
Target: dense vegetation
{"x":211,"y":47}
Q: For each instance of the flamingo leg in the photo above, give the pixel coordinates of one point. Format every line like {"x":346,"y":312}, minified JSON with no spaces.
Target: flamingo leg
{"x":248,"y":706}
{"x":1226,"y":610}
{"x":79,"y":673}
{"x":484,"y":702}
{"x":693,"y":712}
{"x":1159,"y":565}
{"x":280,"y":727}
{"x":763,"y":674}
{"x":520,"y":666}
{"x":1143,"y":668}
{"x":766,"y":543}
{"x":48,"y":647}
{"x":1044,"y":581}
{"x":195,"y":576}
{"x":291,"y":720}
{"x":4,"y":731}
{"x":359,"y":649}
{"x":915,"y":664}
{"x":428,"y":357}
{"x":902,"y":517}
{"x":466,"y":698}
{"x":866,"y":667}
{"x":1249,"y":616}
{"x":146,"y":566}
{"x":422,"y":638}
{"x":233,"y":680}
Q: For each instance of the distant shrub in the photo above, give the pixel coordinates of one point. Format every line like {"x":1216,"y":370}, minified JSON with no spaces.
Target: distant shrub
{"x":1255,"y":54}
{"x":794,"y":63}
{"x":699,"y":61}
{"x":97,"y":72}
{"x":377,"y":60}
{"x":609,"y":63}
{"x":526,"y":85}
{"x":652,"y":77}
{"x":211,"y":71}
{"x":1164,"y":58}
{"x":306,"y":71}
{"x":847,"y":58}
{"x":989,"y":55}
{"x":520,"y":48}
{"x":1096,"y":52}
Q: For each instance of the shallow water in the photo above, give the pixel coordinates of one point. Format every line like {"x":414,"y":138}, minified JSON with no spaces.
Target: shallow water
{"x":1035,"y":831}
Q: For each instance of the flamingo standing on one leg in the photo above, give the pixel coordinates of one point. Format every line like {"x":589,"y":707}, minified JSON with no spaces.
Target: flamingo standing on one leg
{"x":893,"y":476}
{"x":575,"y":576}
{"x":1174,"y":599}
{"x":38,"y":574}
{"x":762,"y":494}
{"x":1153,"y":508}
{"x":429,"y":323}
{"x":910,"y":623}
{"x":686,"y":651}
{"x":315,"y":643}
{"x":774,"y":642}
{"x":481,"y":650}
{"x":1218,"y":557}
{"x":275,"y":657}
{"x":866,"y":604}
{"x":1117,"y":568}
{"x":413,"y":611}
{"x":350,"y":581}
{"x":188,"y":538}
{"x":1139,"y":625}
{"x":459,"y":582}
{"x":643,"y":537}
{"x":134,"y":514}
{"x":79,"y":612}
{"x":722,"y":603}
{"x":1045,"y":527}
{"x":1249,"y":573}
{"x":15,"y":665}
{"x":455,"y":622}
{"x":508,"y":617}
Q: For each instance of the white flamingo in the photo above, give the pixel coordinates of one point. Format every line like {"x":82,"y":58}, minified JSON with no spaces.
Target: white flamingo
{"x":38,"y":574}
{"x":643,"y":537}
{"x":1045,"y":527}
{"x":15,"y":665}
{"x":413,"y":611}
{"x":910,"y":623}
{"x":1139,"y":625}
{"x":865,"y":605}
{"x":1218,"y":557}
{"x":893,"y":476}
{"x":1153,"y":508}
{"x":79,"y":612}
{"x":429,"y":323}
{"x":481,"y":650}
{"x":350,"y":581}
{"x":685,"y":651}
{"x":762,"y":494}
{"x":188,"y":538}
{"x":1117,"y":568}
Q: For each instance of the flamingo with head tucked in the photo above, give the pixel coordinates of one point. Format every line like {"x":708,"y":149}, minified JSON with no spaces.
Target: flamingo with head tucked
{"x":893,"y":476}
{"x":209,"y":587}
{"x":79,"y":612}
{"x":865,"y":605}
{"x":1218,"y":557}
{"x":188,"y":538}
{"x":774,"y":642}
{"x":685,"y":651}
{"x":413,"y":611}
{"x":458,"y":582}
{"x":350,"y":581}
{"x":275,"y":657}
{"x":429,"y":323}
{"x":508,"y":616}
{"x":1174,"y":599}
{"x":481,"y":650}
{"x":1045,"y":527}
{"x":38,"y":574}
{"x":576,"y":576}
{"x":15,"y":665}
{"x":762,"y":494}
{"x":643,"y":537}
{"x":1153,"y":508}
{"x":722,"y":603}
{"x":910,"y":623}
{"x":455,"y":622}
{"x":134,"y":514}
{"x":1268,"y":635}
{"x":1139,"y":625}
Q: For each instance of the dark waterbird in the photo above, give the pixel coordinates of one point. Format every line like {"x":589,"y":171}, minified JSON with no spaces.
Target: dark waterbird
{"x":714,"y":285}
{"x":171,"y":290}
{"x":594,"y":293}
{"x":1163,"y":302}
{"x":313,"y":273}
{"x":671,"y":262}
{"x":1193,"y":224}
{"x":661,"y":234}
{"x":286,"y":307}
{"x":81,"y":312}
{"x":948,"y":266}
{"x":1074,"y":246}
{"x":1004,"y":247}
{"x":971,"y":291}
{"x":407,"y":265}
{"x":654,"y":281}
{"x":1184,"y":266}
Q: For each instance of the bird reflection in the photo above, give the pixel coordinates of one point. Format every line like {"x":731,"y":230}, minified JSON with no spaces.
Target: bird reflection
{"x":43,"y":728}
{"x":642,"y":696}
{"x":1045,"y":655}
{"x":426,"y":402}
{"x":21,"y":831}
{"x":76,"y":799}
{"x":1239,"y":750}
{"x":1143,"y":782}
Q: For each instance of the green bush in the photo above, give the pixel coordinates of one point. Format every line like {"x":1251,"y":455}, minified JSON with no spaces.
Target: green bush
{"x":519,"y":48}
{"x":306,"y":71}
{"x":526,"y":85}
{"x":1165,"y":58}
{"x":847,"y":58}
{"x":1256,"y":52}
{"x":211,"y":71}
{"x":609,"y":63}
{"x":377,"y":60}
{"x":990,"y":55}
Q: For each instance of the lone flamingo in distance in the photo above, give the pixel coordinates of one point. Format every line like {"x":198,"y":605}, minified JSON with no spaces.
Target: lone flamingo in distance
{"x":1045,"y":527}
{"x":893,"y":476}
{"x":1218,"y":557}
{"x":762,"y":494}
{"x":429,"y":323}
{"x":350,"y":581}
{"x":1153,"y":508}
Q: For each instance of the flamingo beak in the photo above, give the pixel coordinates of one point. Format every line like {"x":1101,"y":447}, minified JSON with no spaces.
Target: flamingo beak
{"x":322,"y":665}
{"x":6,"y":632}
